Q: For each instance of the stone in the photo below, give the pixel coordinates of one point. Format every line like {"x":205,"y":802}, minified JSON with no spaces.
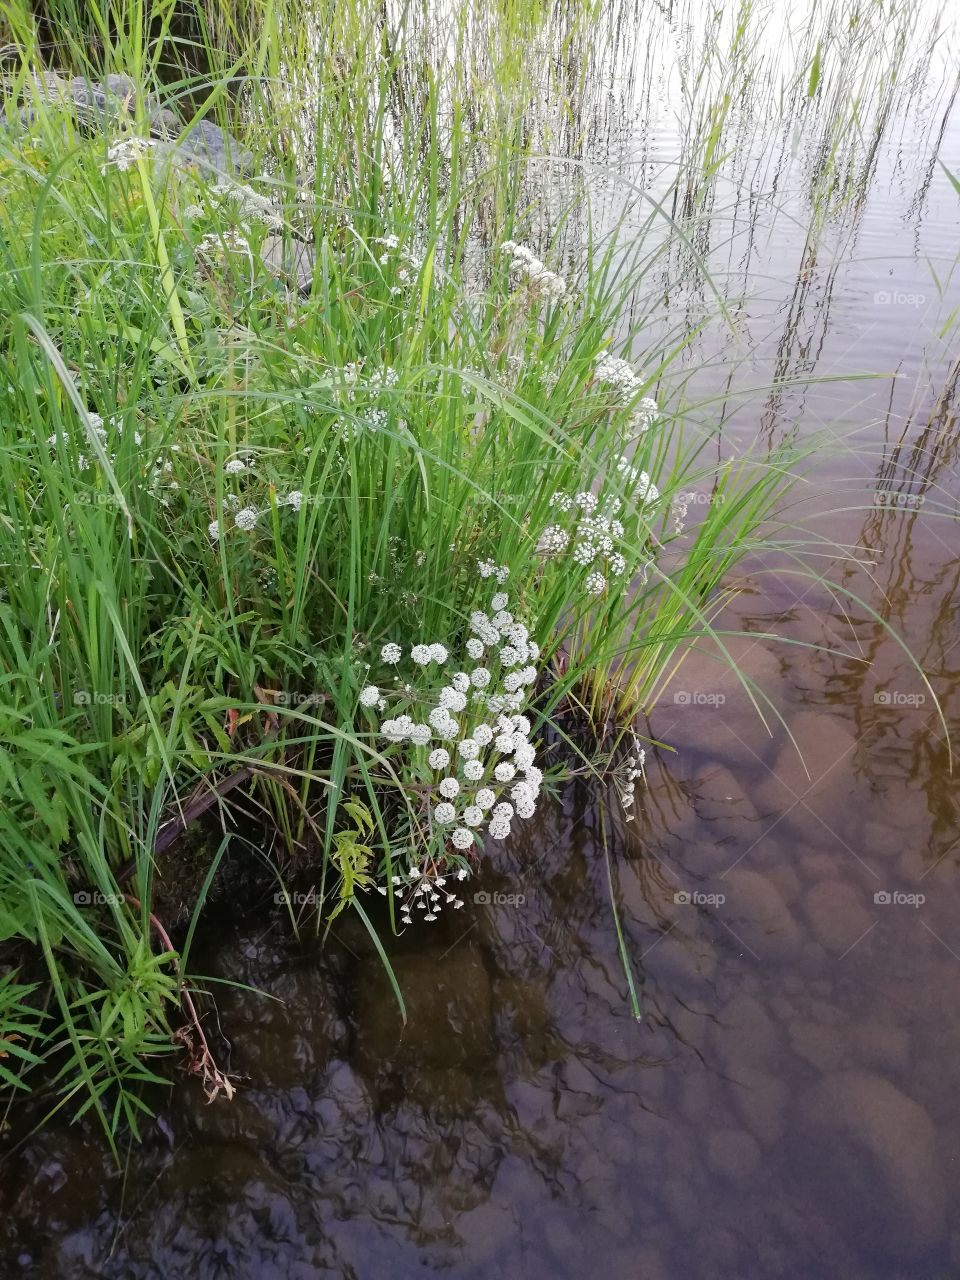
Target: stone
{"x":744,"y":1033}
{"x":759,"y":1099}
{"x":870,"y":1151}
{"x":757,"y":915}
{"x":733,"y":1153}
{"x":825,"y":748}
{"x":838,"y":914}
{"x":881,"y":1044}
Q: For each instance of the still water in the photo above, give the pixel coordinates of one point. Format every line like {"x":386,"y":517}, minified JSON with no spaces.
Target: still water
{"x":786,"y":1106}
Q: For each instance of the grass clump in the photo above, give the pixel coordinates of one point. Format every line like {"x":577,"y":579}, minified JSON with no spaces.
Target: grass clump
{"x":321,"y":488}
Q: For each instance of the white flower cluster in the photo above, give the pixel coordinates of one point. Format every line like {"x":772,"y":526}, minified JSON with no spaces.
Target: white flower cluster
{"x":407,"y":266}
{"x":249,"y":205}
{"x":216,"y":247}
{"x":474,"y":738}
{"x":614,"y":372}
{"x":627,"y":775}
{"x":487,"y":569}
{"x":592,"y":537}
{"x":525,"y":265}
{"x":643,"y":488}
{"x":678,"y":511}
{"x":425,"y":887}
{"x":124,"y":155}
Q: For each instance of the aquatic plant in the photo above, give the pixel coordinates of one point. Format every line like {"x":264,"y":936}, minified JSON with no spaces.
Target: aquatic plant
{"x":273,"y":445}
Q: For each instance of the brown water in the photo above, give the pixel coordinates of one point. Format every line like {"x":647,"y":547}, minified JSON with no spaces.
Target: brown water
{"x":786,"y":1107}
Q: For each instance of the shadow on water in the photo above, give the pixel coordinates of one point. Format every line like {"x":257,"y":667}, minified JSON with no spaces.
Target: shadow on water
{"x":785,"y":1107}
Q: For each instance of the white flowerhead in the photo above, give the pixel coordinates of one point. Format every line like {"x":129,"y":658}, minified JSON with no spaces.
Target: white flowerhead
{"x":499,"y":601}
{"x":521,"y":792}
{"x":504,"y":743}
{"x":246,"y":519}
{"x":503,"y":810}
{"x":480,"y":677}
{"x":469,"y":748}
{"x":370,"y":696}
{"x":234,"y":467}
{"x":504,"y":772}
{"x":213,"y":530}
{"x":475,"y":648}
{"x":438,"y":653}
{"x":462,"y":838}
{"x":499,"y":828}
{"x":420,"y":735}
{"x":451,"y":699}
{"x":449,"y":787}
{"x":534,"y":776}
{"x":438,"y":758}
{"x":440,"y":718}
{"x":473,"y":770}
{"x":485,"y":798}
{"x":461,"y":682}
{"x":526,"y":808}
{"x":510,"y":657}
{"x":473,"y":815}
{"x":293,"y":499}
{"x":444,"y":813}
{"x":390,"y":653}
{"x":483,"y":734}
{"x":595,"y":584}
{"x":421,"y":655}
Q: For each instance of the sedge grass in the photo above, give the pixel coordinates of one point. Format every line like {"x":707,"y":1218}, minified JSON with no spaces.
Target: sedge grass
{"x":414,"y":414}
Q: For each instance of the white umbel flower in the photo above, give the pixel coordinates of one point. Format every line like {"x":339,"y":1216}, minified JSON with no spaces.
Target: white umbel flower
{"x":390,"y":653}
{"x":462,"y":838}
{"x":246,"y":519}
{"x":449,"y":787}
{"x":473,"y":770}
{"x":213,"y":530}
{"x":370,"y":696}
{"x":444,"y":813}
{"x":421,"y":654}
{"x":438,"y":758}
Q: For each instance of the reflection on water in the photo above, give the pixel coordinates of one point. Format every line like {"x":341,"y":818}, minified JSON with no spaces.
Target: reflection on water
{"x":786,"y":1105}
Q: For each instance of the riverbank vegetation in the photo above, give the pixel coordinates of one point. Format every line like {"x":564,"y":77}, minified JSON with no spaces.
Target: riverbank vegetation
{"x":330,"y":487}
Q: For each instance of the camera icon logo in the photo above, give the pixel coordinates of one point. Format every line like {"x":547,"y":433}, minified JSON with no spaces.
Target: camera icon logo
{"x":882,"y":698}
{"x":482,"y":898}
{"x":881,"y":298}
{"x":81,"y":698}
{"x":682,"y":898}
{"x":882,"y":898}
{"x":681,"y":698}
{"x":82,"y":898}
